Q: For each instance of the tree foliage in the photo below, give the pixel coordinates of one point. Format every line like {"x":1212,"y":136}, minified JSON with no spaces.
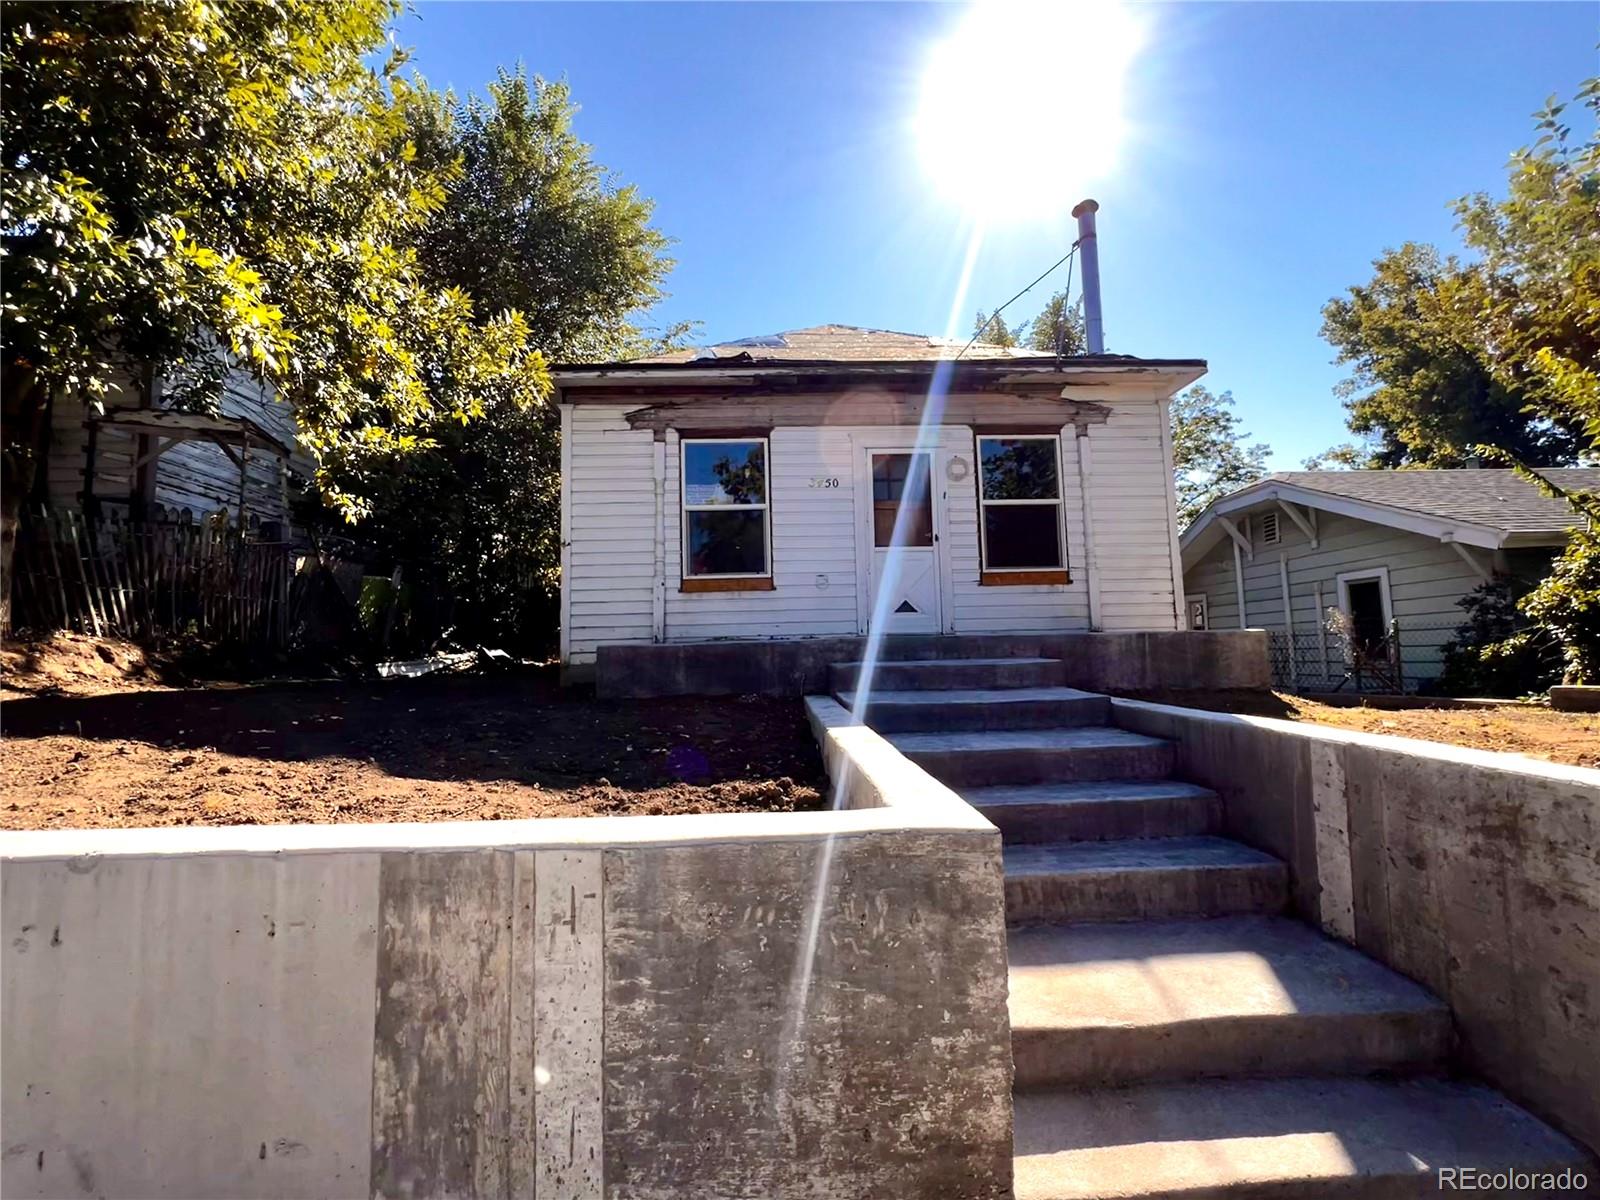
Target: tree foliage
{"x":1211,"y":455}
{"x":1423,"y":392}
{"x":200,"y":185}
{"x":993,"y":330}
{"x":1499,"y":349}
{"x":1541,"y":248}
{"x":1498,"y":356}
{"x":1495,"y":651}
{"x":1057,"y":329}
{"x":531,"y":223}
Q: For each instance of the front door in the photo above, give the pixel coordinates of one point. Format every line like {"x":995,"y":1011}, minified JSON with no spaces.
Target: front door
{"x":908,"y":572}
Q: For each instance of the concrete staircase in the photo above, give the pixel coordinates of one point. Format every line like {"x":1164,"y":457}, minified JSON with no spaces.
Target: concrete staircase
{"x":1174,"y":1034}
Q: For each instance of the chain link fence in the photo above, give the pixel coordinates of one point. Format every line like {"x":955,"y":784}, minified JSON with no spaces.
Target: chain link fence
{"x":1409,"y":658}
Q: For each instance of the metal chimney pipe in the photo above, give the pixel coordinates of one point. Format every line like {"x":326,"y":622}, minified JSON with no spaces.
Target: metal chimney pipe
{"x":1094,"y":329}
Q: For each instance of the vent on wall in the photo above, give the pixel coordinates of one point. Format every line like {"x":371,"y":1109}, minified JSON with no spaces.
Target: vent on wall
{"x":1271,"y":535}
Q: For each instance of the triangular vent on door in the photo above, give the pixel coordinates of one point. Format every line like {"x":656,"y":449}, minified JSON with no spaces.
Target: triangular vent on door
{"x":907,"y":606}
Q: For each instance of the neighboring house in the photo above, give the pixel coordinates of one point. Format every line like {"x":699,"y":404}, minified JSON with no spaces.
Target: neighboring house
{"x":750,"y":491}
{"x":136,"y":453}
{"x":1380,"y":546}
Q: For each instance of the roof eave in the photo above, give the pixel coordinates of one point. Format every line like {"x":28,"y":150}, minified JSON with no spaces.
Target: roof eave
{"x":1173,"y":373}
{"x":1196,"y":541}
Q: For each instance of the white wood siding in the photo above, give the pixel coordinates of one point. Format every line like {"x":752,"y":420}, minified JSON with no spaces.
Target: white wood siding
{"x":1133,"y":519}
{"x":813,"y":548}
{"x":1049,"y":608}
{"x":611,"y":541}
{"x":816,"y":593}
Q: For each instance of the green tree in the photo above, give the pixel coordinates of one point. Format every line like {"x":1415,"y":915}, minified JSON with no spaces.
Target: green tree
{"x":1347,"y":456}
{"x":1423,"y":391}
{"x":993,"y":331}
{"x":197,"y":186}
{"x":1058,"y":329}
{"x":533,"y":224}
{"x":1541,"y":262}
{"x":1210,"y":454}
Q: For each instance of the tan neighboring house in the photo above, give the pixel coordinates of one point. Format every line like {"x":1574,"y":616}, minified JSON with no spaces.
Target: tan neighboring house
{"x":1382,"y":547}
{"x":749,"y":491}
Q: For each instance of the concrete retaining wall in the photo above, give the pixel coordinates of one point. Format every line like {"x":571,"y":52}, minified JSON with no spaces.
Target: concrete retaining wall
{"x":563,"y":1009}
{"x":1124,"y":662}
{"x":1475,"y":873}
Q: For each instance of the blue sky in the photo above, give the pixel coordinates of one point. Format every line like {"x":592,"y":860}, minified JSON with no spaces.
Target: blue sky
{"x":1275,"y":150}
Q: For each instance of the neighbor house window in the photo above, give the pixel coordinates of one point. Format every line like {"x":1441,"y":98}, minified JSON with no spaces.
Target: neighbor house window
{"x":1019,"y":508}
{"x":727,"y":527}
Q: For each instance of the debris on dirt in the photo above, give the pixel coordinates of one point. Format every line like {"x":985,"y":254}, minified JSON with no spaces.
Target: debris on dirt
{"x":1563,"y":737}
{"x":415,"y":668}
{"x":507,"y":745}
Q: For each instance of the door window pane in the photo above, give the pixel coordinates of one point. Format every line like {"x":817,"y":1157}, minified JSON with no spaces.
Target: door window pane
{"x":1021,"y":536}
{"x":891,"y":491}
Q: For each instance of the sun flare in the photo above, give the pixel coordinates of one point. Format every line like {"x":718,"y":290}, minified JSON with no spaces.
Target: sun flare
{"x":1021,"y":108}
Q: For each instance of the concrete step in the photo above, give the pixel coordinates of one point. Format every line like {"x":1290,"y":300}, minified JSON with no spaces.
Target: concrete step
{"x":1098,"y":810}
{"x":985,"y":758}
{"x":920,"y":675}
{"x":1141,"y":880}
{"x":1308,"y":1137}
{"x":981,"y":708}
{"x":1133,"y":1002}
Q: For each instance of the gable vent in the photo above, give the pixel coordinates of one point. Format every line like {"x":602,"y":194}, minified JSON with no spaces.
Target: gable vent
{"x":1271,"y":535}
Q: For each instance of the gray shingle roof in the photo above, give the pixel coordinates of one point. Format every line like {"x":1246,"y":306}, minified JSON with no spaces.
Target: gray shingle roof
{"x":1497,"y":499}
{"x":844,"y":343}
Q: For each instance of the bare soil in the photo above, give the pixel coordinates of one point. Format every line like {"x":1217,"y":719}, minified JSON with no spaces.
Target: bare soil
{"x":75,"y":664}
{"x":1563,"y":737}
{"x":436,"y":749}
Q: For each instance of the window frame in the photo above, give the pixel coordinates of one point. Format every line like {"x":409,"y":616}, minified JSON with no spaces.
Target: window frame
{"x":1001,"y":576}
{"x":724,"y":581}
{"x":1380,"y":575}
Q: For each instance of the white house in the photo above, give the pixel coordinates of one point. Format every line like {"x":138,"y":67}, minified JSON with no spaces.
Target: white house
{"x":750,"y":491}
{"x":1383,"y":547}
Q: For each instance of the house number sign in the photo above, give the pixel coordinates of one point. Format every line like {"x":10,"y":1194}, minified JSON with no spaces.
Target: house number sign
{"x":824,"y":481}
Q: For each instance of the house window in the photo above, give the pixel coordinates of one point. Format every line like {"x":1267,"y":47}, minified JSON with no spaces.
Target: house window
{"x":727,"y":523}
{"x":1271,"y":535}
{"x":1019,"y":507}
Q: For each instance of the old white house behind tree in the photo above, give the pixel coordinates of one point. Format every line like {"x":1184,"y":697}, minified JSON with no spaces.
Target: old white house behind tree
{"x":750,"y":491}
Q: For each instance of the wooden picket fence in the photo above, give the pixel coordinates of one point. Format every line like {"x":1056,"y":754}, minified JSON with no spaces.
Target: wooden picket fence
{"x":147,"y":579}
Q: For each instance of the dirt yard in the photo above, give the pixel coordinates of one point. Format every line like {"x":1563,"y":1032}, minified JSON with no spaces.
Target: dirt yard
{"x":1536,"y":732}
{"x":437,"y":749}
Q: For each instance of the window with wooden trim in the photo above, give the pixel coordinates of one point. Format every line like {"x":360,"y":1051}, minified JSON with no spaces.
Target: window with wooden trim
{"x":1020,"y":527}
{"x":727,"y":519}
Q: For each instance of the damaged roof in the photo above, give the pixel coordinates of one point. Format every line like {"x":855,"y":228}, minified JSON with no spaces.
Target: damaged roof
{"x":842,"y":343}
